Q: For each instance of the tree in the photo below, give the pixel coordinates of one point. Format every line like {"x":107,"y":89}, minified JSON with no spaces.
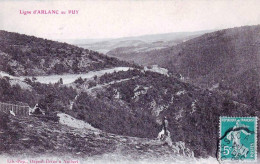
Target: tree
{"x":79,"y":81}
{"x":75,"y":66}
{"x":61,"y":81}
{"x":92,"y":84}
{"x":28,"y":81}
{"x":34,"y":79}
{"x":10,"y":70}
{"x":59,"y":68}
{"x":95,"y":77}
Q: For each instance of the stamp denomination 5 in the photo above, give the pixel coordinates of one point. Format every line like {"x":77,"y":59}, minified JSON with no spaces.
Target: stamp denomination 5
{"x":238,"y":138}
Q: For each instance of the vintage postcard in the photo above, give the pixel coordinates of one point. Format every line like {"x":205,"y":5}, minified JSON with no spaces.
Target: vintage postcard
{"x":129,"y":81}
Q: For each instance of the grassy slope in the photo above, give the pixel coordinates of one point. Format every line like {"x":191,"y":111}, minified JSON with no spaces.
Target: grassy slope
{"x":32,"y":136}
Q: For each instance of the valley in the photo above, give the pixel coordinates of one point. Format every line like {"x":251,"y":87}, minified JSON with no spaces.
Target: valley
{"x":112,"y":109}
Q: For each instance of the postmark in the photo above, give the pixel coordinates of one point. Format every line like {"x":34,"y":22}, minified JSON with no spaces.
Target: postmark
{"x":238,"y":139}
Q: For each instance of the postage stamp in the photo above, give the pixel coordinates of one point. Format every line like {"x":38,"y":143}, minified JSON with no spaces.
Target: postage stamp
{"x":238,"y":139}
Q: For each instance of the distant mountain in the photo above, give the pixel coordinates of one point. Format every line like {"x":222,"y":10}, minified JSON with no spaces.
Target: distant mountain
{"x":29,"y":55}
{"x":136,"y":44}
{"x":229,"y":52}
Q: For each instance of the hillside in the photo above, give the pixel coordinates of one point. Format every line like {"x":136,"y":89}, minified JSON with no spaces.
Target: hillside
{"x":228,"y":52}
{"x":133,"y":103}
{"x":138,"y":109}
{"x":33,"y":137}
{"x":29,"y":55}
{"x":227,"y":58}
{"x":120,"y":101}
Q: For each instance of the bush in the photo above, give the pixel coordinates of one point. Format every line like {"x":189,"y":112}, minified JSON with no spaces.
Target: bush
{"x":79,"y":81}
{"x":4,"y":119}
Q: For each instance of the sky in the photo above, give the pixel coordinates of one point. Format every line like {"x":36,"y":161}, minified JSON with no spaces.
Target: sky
{"x":122,"y":18}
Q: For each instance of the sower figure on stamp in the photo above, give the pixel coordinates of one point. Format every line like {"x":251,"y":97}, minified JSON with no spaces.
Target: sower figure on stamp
{"x":235,"y":137}
{"x":238,"y":138}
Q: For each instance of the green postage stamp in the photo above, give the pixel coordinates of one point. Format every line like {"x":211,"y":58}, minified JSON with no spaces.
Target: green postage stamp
{"x":238,"y":139}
